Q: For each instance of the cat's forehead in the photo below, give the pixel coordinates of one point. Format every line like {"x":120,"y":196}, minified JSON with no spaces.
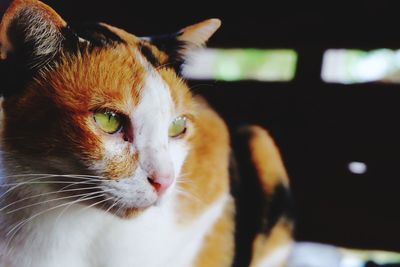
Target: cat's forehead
{"x":113,"y":71}
{"x":105,"y":35}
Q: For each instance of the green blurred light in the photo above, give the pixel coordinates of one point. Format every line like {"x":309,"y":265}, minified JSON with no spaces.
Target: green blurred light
{"x":254,"y":64}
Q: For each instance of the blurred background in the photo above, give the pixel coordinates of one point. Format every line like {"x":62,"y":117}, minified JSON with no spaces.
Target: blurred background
{"x":322,"y":78}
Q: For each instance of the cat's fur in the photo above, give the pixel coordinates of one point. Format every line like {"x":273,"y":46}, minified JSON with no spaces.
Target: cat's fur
{"x":75,"y":196}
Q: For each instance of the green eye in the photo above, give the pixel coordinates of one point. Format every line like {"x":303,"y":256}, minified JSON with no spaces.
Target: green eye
{"x":109,"y":121}
{"x":177,"y":127}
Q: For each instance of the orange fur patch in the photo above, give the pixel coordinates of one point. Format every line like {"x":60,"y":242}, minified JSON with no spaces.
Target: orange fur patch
{"x":205,"y":172}
{"x":219,"y":244}
{"x":104,"y":78}
{"x":180,"y":93}
{"x":267,"y":160}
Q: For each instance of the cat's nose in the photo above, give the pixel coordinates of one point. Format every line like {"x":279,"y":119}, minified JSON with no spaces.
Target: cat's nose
{"x":161,"y":182}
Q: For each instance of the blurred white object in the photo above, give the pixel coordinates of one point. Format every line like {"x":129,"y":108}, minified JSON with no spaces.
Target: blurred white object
{"x":349,"y":66}
{"x":307,"y":254}
{"x":357,"y":167}
{"x":236,"y":64}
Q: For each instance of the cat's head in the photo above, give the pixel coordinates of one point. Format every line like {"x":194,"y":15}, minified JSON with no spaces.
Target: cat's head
{"x":95,"y":104}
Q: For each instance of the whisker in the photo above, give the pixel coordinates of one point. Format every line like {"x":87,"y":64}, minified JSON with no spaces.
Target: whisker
{"x":114,"y":204}
{"x":184,"y":176}
{"x":43,"y":182}
{"x":54,"y":175}
{"x":51,"y":200}
{"x":49,"y":193}
{"x":66,"y":208}
{"x":120,"y":207}
{"x":95,"y":204}
{"x":79,"y":183}
{"x":188,"y":195}
{"x":49,"y":182}
{"x":185,"y":182}
{"x":18,"y":226}
{"x":16,"y":185}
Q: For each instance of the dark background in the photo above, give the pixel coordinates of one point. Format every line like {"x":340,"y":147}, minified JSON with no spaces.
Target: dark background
{"x":319,"y":127}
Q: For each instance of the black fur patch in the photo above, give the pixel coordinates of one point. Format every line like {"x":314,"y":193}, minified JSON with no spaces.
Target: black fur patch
{"x":22,"y":47}
{"x":256,"y":212}
{"x":148,"y":54}
{"x":13,"y":77}
{"x":97,"y":34}
{"x":280,"y":205}
{"x":170,"y":45}
{"x":21,"y":64}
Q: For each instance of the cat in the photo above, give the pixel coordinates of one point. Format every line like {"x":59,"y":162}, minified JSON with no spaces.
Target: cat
{"x":108,"y":159}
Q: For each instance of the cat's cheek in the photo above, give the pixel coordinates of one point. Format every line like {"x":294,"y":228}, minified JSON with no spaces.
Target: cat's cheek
{"x":117,"y":159}
{"x":115,"y":146}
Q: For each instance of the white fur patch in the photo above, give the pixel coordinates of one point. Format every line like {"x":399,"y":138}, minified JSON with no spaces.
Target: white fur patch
{"x":93,"y":238}
{"x":157,"y":152}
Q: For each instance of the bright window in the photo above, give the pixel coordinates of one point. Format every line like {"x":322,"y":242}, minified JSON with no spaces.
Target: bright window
{"x":349,"y":66}
{"x":242,"y":64}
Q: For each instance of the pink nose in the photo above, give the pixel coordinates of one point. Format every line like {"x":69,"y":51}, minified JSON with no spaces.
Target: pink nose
{"x":161,"y":183}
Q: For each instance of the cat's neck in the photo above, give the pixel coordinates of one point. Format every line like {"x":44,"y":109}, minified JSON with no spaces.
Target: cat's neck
{"x":90,"y":237}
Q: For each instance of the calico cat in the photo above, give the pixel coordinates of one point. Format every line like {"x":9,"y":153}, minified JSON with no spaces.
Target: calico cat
{"x":108,"y":159}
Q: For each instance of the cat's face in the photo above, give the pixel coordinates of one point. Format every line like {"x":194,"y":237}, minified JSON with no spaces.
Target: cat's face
{"x":101,"y":107}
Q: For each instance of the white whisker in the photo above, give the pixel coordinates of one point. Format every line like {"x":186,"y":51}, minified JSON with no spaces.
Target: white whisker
{"x":51,"y":200}
{"x":188,"y":195}
{"x":16,"y":185}
{"x":49,"y":193}
{"x":18,"y":226}
{"x":120,"y":207}
{"x":114,"y":204}
{"x":32,"y":181}
{"x":41,"y":182}
{"x":95,"y":204}
{"x":67,"y":207}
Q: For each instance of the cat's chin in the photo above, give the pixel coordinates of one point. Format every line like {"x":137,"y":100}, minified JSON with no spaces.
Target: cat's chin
{"x":128,"y":212}
{"x":132,"y":212}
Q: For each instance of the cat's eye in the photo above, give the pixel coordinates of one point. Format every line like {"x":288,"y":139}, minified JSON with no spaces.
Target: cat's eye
{"x":108,"y":121}
{"x":177,"y":127}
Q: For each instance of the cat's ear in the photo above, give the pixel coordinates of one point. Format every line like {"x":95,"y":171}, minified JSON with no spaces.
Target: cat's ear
{"x":198,"y":34}
{"x":178,"y":45}
{"x":31,"y":32}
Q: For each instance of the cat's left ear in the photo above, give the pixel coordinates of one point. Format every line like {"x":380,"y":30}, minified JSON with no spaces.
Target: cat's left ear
{"x":30,"y":30}
{"x":178,"y":45}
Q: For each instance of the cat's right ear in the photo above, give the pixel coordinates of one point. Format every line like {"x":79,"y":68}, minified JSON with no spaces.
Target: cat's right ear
{"x":30,"y":32}
{"x":178,"y":45}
